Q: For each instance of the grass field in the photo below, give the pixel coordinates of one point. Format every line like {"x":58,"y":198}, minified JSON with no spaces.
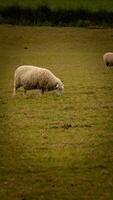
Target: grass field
{"x":57,"y":147}
{"x":65,"y":4}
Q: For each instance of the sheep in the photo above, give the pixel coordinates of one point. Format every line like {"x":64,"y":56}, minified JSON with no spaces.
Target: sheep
{"x":108,"y":59}
{"x":32,"y":77}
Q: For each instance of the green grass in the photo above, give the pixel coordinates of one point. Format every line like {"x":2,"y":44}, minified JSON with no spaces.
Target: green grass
{"x":57,"y":147}
{"x":65,"y":4}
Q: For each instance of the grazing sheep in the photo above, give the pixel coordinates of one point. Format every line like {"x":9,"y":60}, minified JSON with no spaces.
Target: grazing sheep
{"x":108,"y":59}
{"x":32,"y":77}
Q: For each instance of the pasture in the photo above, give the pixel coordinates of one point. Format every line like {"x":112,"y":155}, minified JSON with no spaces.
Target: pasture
{"x":57,"y":147}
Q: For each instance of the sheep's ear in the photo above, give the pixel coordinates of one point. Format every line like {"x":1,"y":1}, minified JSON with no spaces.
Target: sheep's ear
{"x":57,"y":86}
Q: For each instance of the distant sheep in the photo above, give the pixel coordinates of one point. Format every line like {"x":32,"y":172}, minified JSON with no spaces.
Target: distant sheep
{"x":32,"y":77}
{"x":108,"y":59}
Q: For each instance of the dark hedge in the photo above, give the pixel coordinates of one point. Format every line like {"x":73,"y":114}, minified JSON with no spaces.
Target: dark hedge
{"x":43,"y":15}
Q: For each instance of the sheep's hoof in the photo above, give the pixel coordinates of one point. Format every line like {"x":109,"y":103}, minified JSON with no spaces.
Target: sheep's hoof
{"x":14,"y":94}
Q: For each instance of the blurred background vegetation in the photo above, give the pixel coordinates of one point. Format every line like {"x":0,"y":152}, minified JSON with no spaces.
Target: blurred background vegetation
{"x":57,"y":13}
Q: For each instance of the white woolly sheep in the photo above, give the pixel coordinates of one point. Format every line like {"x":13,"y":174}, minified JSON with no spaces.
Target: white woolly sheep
{"x":32,"y":77}
{"x":108,"y":59}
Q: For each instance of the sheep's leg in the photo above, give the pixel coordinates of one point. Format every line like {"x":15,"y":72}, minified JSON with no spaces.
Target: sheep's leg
{"x":25,"y":92}
{"x":15,"y":89}
{"x":42,"y":91}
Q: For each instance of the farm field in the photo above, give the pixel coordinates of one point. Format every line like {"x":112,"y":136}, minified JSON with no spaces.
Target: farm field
{"x":57,"y":147}
{"x":65,"y":4}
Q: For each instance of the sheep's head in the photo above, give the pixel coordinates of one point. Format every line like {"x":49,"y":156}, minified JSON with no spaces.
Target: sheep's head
{"x":59,"y":88}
